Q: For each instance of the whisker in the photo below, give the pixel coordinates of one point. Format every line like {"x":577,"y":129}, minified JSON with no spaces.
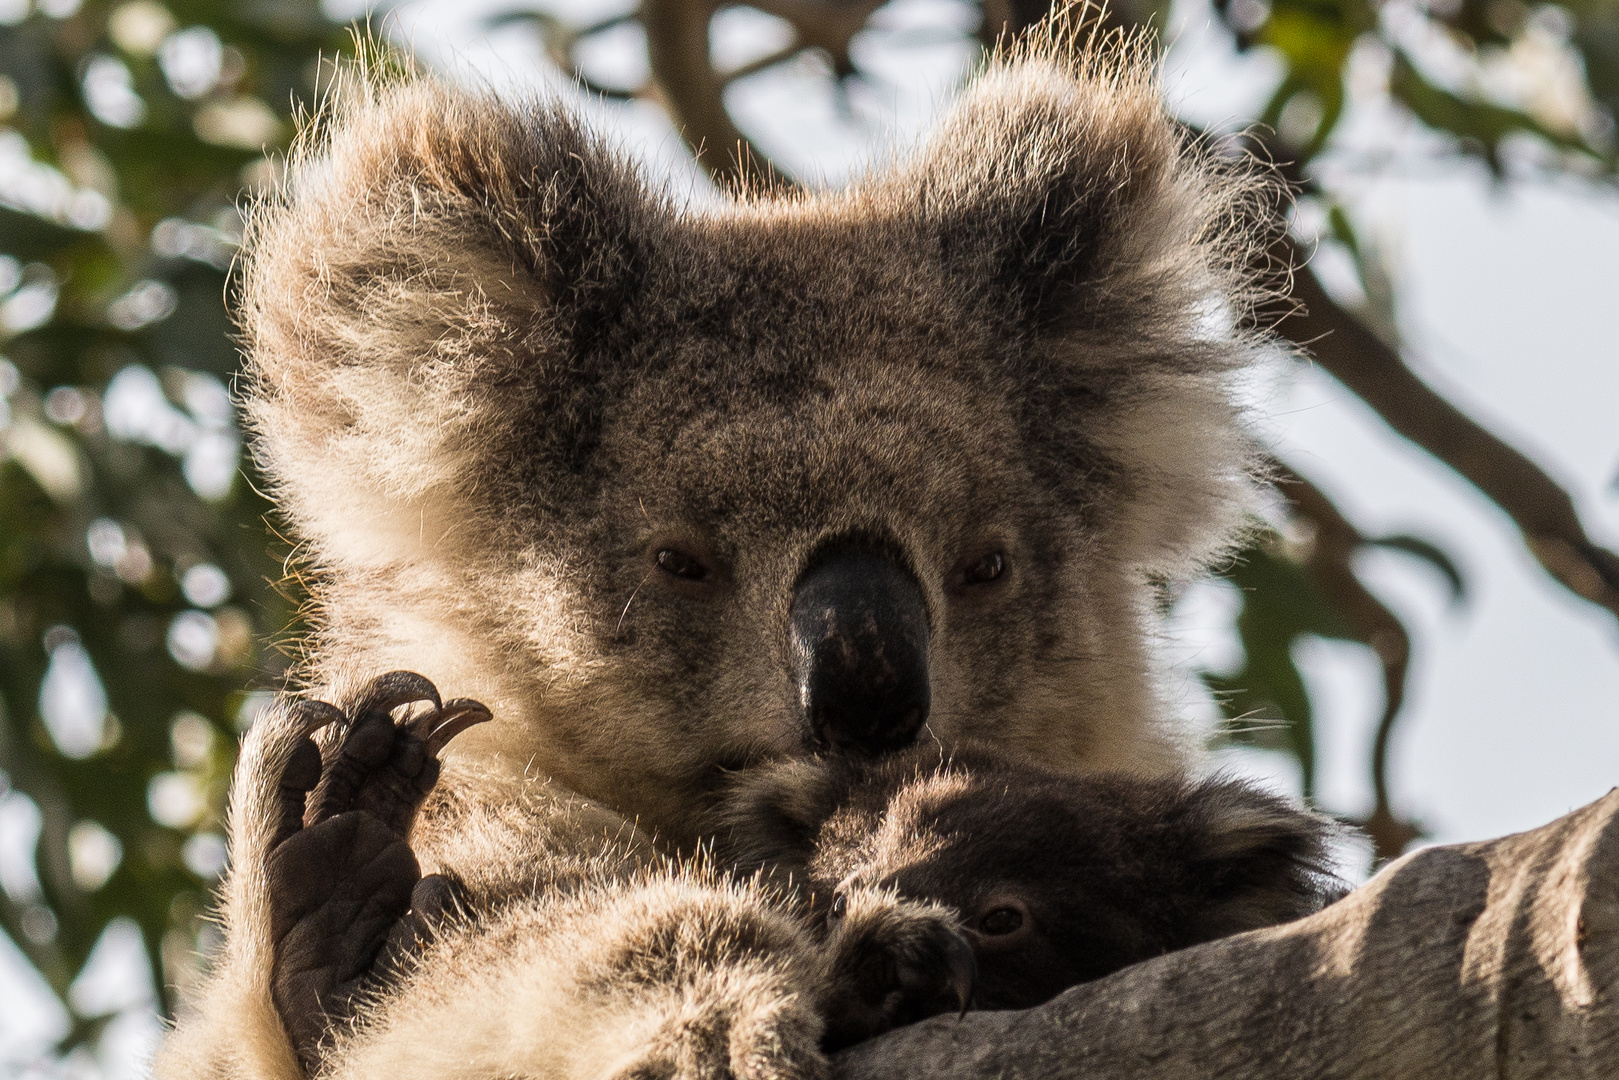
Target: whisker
{"x":636,"y":592}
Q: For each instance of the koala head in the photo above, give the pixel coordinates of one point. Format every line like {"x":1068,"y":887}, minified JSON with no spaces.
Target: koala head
{"x":1057,"y":879}
{"x":679,"y":488}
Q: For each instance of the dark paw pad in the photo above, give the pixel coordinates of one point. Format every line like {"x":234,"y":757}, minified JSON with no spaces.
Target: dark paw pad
{"x":343,"y":882}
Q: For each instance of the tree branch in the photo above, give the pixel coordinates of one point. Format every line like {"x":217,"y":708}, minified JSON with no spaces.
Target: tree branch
{"x":1377,"y":374}
{"x":692,"y":91}
{"x":1497,"y":959}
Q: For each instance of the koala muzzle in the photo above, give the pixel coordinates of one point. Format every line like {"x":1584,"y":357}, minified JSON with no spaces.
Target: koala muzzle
{"x":858,"y":638}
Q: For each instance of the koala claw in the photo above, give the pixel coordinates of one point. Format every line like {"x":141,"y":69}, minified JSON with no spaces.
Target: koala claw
{"x":345,"y":889}
{"x":962,"y":964}
{"x":314,"y":715}
{"x":941,"y":966}
{"x":387,"y":692}
{"x":436,"y":729}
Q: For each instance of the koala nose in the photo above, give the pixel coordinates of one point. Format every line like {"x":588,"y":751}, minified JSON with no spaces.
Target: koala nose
{"x":858,"y":637}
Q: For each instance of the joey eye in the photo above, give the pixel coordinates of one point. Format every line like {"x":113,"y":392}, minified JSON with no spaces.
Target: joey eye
{"x":677,"y":563}
{"x":985,"y":570}
{"x":1001,"y":921}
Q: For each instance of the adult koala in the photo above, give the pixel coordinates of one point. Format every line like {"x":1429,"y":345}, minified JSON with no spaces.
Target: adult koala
{"x":679,"y":489}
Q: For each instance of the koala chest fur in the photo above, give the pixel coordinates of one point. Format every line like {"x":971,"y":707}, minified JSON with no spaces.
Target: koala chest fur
{"x":681,"y":490}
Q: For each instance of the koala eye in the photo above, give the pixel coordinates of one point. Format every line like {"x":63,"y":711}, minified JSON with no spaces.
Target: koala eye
{"x":1001,"y":921}
{"x":677,"y":563}
{"x":985,"y":570}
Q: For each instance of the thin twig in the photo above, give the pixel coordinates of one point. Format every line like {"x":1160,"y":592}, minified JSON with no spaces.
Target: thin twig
{"x":1544,"y":513}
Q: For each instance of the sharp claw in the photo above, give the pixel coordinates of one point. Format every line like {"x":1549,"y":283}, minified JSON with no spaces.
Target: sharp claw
{"x":387,"y":692}
{"x":963,"y":967}
{"x":456,"y":716}
{"x":313,"y":715}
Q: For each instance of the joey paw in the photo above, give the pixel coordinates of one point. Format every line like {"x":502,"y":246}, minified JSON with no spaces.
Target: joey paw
{"x":343,"y":882}
{"x":892,"y":963}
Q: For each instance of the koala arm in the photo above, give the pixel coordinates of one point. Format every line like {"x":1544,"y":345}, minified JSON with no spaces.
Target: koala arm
{"x":673,"y":974}
{"x":498,"y":842}
{"x":571,"y":948}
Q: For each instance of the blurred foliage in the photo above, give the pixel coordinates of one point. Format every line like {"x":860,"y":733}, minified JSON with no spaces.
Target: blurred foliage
{"x":135,"y":566}
{"x":1519,"y":88}
{"x":1288,"y":596}
{"x":134,"y":560}
{"x":1479,"y":71}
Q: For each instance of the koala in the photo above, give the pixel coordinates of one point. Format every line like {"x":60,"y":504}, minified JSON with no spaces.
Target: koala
{"x":1054,"y":879}
{"x":680,"y":490}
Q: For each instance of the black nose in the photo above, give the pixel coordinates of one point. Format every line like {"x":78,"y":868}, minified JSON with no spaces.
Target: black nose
{"x":858,"y":634}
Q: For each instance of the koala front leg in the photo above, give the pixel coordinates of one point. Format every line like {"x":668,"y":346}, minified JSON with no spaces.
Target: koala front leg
{"x":234,"y":1029}
{"x":674,"y":973}
{"x":341,"y":874}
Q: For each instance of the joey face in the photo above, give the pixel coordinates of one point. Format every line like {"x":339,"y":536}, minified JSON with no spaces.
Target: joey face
{"x":1055,"y":881}
{"x":1053,"y":878}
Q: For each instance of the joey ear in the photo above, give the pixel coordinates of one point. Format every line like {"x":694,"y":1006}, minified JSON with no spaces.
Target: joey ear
{"x":772,"y":815}
{"x":1261,"y":860}
{"x":419,"y":287}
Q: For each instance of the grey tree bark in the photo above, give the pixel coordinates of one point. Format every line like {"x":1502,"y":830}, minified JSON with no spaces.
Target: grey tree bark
{"x":1496,"y":959}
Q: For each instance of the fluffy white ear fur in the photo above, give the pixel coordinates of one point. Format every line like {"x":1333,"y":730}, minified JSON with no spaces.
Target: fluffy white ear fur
{"x":1132,"y":252}
{"x":400,"y":304}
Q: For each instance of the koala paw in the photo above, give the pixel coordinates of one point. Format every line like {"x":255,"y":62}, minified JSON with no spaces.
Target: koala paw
{"x":893,"y":963}
{"x":760,"y":1034}
{"x":343,"y":882}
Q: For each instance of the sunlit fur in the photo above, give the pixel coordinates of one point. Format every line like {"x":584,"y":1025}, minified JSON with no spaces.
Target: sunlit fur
{"x":491,"y":372}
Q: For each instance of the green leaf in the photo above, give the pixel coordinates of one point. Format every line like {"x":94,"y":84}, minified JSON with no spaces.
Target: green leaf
{"x":1480,"y":125}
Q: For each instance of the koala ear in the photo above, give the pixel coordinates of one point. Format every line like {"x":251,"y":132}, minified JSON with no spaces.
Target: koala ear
{"x":1060,"y":185}
{"x":1259,"y":860}
{"x":1112,"y":259}
{"x":410,"y":295}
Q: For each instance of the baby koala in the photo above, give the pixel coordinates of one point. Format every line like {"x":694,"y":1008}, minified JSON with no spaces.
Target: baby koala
{"x":1055,"y":879}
